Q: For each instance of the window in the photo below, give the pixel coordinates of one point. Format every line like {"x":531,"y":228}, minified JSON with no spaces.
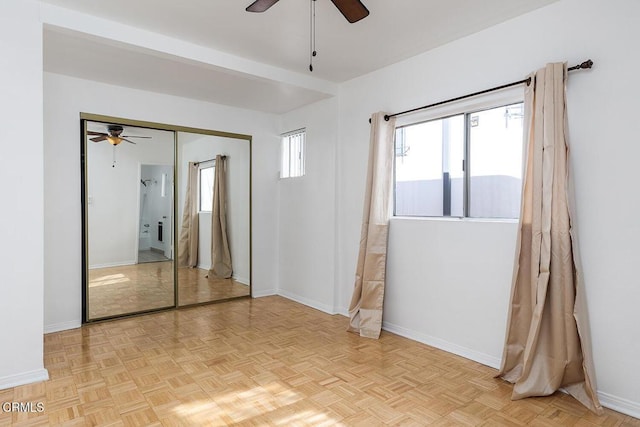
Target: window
{"x":206,"y":172}
{"x":464,"y":165}
{"x":292,"y":164}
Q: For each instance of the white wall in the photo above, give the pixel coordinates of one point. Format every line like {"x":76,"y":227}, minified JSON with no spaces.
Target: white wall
{"x":198,"y":148}
{"x":448,"y":280}
{"x":307,"y":211}
{"x":21,"y":220}
{"x":114,"y":194}
{"x":64,"y":99}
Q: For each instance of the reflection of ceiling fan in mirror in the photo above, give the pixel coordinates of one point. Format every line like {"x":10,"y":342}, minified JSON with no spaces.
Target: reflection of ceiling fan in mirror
{"x":353,"y":10}
{"x":113,"y":135}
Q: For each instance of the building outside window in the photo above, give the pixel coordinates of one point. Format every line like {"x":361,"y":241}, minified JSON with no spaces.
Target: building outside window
{"x":463,"y":165}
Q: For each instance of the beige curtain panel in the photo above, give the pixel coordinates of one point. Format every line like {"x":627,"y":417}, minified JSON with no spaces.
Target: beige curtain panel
{"x":365,"y":310}
{"x":188,"y":238}
{"x":547,"y":342}
{"x":220,"y":253}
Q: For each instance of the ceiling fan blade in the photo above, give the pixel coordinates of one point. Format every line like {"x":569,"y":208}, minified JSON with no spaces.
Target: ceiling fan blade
{"x":130,"y":142}
{"x":99,"y":138}
{"x":134,"y":136}
{"x":353,"y":10}
{"x":90,"y":132}
{"x":260,"y":5}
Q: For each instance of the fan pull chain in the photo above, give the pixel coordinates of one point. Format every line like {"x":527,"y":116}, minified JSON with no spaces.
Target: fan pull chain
{"x":113,"y":165}
{"x":312,"y":35}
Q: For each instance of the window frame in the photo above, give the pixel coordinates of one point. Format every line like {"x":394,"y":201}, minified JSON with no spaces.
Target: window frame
{"x":467,"y":108}
{"x":286,"y":148}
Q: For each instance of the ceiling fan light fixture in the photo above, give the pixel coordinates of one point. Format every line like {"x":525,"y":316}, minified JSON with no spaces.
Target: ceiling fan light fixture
{"x":114,"y":140}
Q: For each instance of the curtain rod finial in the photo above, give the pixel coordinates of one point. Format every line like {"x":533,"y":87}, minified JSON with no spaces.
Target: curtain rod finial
{"x":587,"y":64}
{"x":386,"y":118}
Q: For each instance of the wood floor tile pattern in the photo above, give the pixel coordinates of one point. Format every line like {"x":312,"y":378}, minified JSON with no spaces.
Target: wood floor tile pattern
{"x":270,"y":362}
{"x":132,"y":288}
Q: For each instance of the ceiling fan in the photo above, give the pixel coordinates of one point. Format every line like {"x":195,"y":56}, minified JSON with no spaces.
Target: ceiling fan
{"x":113,"y":135}
{"x":353,"y":10}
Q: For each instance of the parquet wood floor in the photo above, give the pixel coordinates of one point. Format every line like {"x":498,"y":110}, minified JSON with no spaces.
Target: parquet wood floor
{"x":270,"y":362}
{"x":132,"y":288}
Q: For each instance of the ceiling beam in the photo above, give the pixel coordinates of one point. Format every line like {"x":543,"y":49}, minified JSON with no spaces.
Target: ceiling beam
{"x":61,"y":19}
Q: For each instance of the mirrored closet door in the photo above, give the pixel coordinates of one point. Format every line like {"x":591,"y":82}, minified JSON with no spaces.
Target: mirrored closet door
{"x":166,"y":216}
{"x":213,"y":218}
{"x":129,"y":207}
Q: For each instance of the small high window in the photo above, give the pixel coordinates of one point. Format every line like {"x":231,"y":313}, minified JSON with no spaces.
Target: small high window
{"x":293,"y":153}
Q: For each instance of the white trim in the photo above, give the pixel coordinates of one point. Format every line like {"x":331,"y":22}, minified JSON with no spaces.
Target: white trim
{"x":204,"y":266}
{"x":396,"y":218}
{"x":620,"y":404}
{"x":241,"y":280}
{"x":343,"y":311}
{"x":24,"y":378}
{"x":306,"y":301}
{"x":112,"y":264}
{"x":264,"y":293}
{"x":441,"y":344}
{"x":62,"y":326}
{"x":609,"y":401}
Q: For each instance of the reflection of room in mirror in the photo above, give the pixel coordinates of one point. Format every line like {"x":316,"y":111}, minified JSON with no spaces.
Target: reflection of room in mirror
{"x":195,"y":287}
{"x":129,"y":289}
{"x":201,"y":150}
{"x":132,"y":220}
{"x":129,"y":225}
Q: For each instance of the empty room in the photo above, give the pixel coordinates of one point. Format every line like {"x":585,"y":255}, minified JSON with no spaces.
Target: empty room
{"x":319,"y":212}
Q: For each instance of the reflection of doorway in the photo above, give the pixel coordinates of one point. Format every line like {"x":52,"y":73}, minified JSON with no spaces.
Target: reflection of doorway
{"x":155,"y":213}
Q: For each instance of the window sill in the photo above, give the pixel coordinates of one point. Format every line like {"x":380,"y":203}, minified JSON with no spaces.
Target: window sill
{"x":456,"y":219}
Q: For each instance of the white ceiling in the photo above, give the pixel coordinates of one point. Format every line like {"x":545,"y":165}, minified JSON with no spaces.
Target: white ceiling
{"x":277,"y":40}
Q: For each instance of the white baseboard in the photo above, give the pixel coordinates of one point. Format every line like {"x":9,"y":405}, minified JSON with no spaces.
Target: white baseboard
{"x":343,"y":311}
{"x":62,"y":326}
{"x":306,"y":301}
{"x":264,"y":293}
{"x":615,"y":403}
{"x":113,"y":264}
{"x":441,"y":344}
{"x":241,"y":280}
{"x":203,"y":266}
{"x":24,"y":378}
{"x":619,"y":404}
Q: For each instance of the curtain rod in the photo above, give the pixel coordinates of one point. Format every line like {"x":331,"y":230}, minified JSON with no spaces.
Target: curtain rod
{"x":586,"y":64}
{"x":205,"y":161}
